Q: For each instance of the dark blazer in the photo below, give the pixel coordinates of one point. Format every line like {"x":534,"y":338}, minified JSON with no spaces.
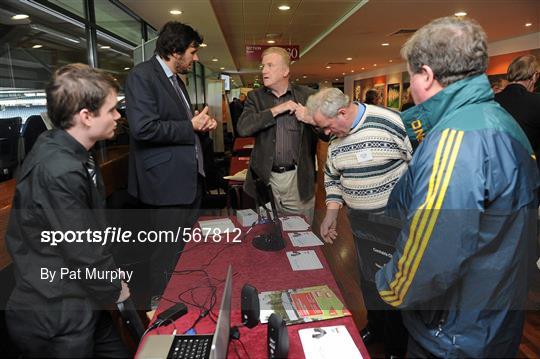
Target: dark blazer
{"x":524,"y":106}
{"x":162,"y":160}
{"x":257,"y":120}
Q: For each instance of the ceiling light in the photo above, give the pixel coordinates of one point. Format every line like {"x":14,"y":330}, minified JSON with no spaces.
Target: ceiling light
{"x":349,"y":58}
{"x":271,"y":41}
{"x":175,"y":12}
{"x":305,"y":77}
{"x":328,"y":66}
{"x":126,"y":68}
{"x":37,"y":46}
{"x":460,"y":13}
{"x":19,"y":17}
{"x":375,"y":65}
{"x":284,"y":7}
{"x":215,"y":59}
{"x":390,"y":60}
{"x":528,"y":24}
{"x":337,"y":79}
{"x":343,"y":73}
{"x":363,"y":68}
{"x":352,"y":70}
{"x":297,"y":79}
{"x":105,"y":47}
{"x":203,"y":45}
{"x":222,"y":68}
{"x":385,"y":44}
{"x":325,"y":82}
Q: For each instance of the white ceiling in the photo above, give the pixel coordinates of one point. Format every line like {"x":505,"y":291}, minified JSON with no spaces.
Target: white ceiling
{"x":353,"y":29}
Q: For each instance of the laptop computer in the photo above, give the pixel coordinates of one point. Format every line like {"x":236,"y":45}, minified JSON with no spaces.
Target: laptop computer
{"x":195,"y":346}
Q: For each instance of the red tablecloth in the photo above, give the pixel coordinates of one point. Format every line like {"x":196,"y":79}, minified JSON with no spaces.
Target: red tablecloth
{"x":264,"y":270}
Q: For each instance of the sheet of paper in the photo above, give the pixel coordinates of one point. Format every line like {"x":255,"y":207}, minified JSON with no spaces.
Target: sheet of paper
{"x":247,"y":146}
{"x":294,"y":223}
{"x":304,"y":239}
{"x":328,"y":343}
{"x":238,"y":176}
{"x":222,"y":224}
{"x":304,"y":260}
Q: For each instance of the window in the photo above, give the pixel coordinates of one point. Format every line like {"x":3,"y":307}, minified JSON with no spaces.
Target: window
{"x":112,"y":18}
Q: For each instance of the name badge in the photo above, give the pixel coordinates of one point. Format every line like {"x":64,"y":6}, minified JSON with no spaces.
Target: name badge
{"x":364,"y":155}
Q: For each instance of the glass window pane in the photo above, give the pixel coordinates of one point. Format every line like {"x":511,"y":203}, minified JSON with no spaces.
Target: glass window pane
{"x":30,"y":51}
{"x":74,"y":6}
{"x":115,"y":20}
{"x":115,"y":57}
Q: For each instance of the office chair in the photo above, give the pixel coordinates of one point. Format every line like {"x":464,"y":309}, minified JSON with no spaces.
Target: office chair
{"x":10,"y":129}
{"x":32,"y":128}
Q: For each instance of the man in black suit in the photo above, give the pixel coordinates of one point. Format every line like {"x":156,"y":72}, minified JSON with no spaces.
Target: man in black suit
{"x":519,"y":99}
{"x":166,"y":169}
{"x":285,"y":145}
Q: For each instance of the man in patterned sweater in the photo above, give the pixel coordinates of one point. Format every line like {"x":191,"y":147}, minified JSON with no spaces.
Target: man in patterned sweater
{"x":368,"y":152}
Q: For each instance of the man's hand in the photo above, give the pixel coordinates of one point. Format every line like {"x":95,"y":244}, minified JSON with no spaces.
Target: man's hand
{"x":202,"y":121}
{"x":303,"y":116}
{"x":289,"y":106}
{"x":328,"y":226}
{"x":124,"y":293}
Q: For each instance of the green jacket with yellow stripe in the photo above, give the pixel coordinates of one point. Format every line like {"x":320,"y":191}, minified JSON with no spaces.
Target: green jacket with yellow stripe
{"x":469,"y":207}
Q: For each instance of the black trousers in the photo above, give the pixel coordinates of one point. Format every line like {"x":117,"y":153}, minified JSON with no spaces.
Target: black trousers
{"x":164,"y":256}
{"x":67,"y":328}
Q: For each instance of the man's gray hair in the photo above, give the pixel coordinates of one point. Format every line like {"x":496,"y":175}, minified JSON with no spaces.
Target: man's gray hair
{"x":328,"y":101}
{"x":453,"y":48}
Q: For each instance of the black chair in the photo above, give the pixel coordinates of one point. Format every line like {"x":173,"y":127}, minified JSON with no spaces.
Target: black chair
{"x":33,"y":127}
{"x":10,"y":134}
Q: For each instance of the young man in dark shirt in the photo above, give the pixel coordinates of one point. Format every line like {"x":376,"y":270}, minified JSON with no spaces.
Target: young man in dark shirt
{"x":54,"y":310}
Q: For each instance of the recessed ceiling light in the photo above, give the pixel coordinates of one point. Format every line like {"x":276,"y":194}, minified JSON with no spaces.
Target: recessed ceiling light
{"x":126,"y":68}
{"x":337,"y":79}
{"x":363,"y":68}
{"x":284,"y":7}
{"x":305,"y":77}
{"x":328,"y":67}
{"x":349,"y":58}
{"x":390,"y":60}
{"x":203,"y":44}
{"x":19,"y":17}
{"x":175,"y":12}
{"x":271,"y":41}
{"x":352,"y":70}
{"x":105,"y":47}
{"x":385,"y":44}
{"x":215,"y":59}
{"x":37,"y":46}
{"x":222,"y":68}
{"x":343,"y":73}
{"x":528,"y":24}
{"x":460,"y":13}
{"x":375,"y":65}
{"x":297,"y":79}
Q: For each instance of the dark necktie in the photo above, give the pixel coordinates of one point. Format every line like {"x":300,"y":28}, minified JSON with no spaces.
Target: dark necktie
{"x":181,"y":90}
{"x":91,"y":168}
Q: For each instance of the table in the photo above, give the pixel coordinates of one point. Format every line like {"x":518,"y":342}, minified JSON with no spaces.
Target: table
{"x":264,"y":270}
{"x":243,"y":145}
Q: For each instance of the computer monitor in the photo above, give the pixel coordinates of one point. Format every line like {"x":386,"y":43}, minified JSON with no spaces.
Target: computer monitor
{"x":272,"y":241}
{"x":220,"y":342}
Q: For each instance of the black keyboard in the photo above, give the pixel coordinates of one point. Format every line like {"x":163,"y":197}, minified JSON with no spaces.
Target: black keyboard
{"x":191,"y":347}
